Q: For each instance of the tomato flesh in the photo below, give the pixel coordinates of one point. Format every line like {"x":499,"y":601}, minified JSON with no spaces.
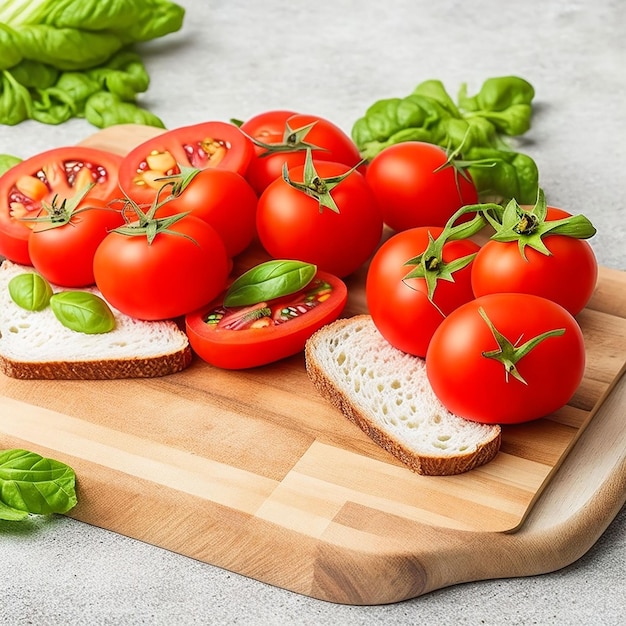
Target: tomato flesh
{"x":207,"y":145}
{"x":266,"y":332}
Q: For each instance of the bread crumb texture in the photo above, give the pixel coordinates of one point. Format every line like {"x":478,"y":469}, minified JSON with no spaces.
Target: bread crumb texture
{"x":29,"y":340}
{"x":387,"y":393}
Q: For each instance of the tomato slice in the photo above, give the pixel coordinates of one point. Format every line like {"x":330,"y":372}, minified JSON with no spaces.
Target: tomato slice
{"x":246,"y":337}
{"x":209,"y":144}
{"x":61,"y":172}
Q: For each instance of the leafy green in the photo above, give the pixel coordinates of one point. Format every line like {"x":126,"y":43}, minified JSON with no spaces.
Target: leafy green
{"x":7,"y":161}
{"x":82,"y":311}
{"x":269,"y":280}
{"x":74,"y":58}
{"x":30,"y":291}
{"x":32,"y":484}
{"x":476,"y":129}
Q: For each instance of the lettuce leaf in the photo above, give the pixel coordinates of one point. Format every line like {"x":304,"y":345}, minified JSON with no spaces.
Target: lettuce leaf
{"x":55,"y":55}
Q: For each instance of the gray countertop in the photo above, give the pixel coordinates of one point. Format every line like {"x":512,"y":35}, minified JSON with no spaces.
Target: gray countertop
{"x":237,"y":58}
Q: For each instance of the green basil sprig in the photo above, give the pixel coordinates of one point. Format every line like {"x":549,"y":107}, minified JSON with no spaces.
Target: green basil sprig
{"x":30,"y":291}
{"x":82,"y":311}
{"x":32,"y":484}
{"x":269,"y":280}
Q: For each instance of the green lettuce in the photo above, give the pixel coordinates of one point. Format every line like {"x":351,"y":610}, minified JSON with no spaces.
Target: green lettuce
{"x":65,"y":58}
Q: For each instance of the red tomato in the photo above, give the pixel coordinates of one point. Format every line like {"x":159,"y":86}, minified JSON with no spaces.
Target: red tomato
{"x":207,"y":145}
{"x":291,"y":225}
{"x":409,"y":190}
{"x":477,"y":387}
{"x":64,"y":253}
{"x":267,"y":127}
{"x":223,"y":199}
{"x":400,"y":308}
{"x":61,"y":173}
{"x":568,"y":276}
{"x":230,"y":340}
{"x":333,"y":145}
{"x":177,"y":273}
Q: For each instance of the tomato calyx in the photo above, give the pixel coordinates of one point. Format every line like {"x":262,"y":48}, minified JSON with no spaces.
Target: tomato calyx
{"x":528,"y":228}
{"x":508,"y":354}
{"x":294,"y":140}
{"x":315,"y":186}
{"x":430,"y":265}
{"x":146,"y":224}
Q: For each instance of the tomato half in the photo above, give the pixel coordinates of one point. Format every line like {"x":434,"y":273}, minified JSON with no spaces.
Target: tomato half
{"x":180,"y":271}
{"x":248,"y":337}
{"x":330,"y":143}
{"x":209,"y":144}
{"x":291,"y":225}
{"x":476,"y":386}
{"x":412,"y":191}
{"x":568,"y":275}
{"x":60,"y":173}
{"x":400,"y":308}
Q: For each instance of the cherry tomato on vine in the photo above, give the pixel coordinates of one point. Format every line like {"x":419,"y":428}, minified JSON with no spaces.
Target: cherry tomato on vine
{"x":400,"y":307}
{"x":211,"y":144}
{"x":327,"y":141}
{"x":567,"y":275}
{"x":292,"y":224}
{"x":222,"y":198}
{"x":183,"y":268}
{"x":506,"y":358}
{"x":62,"y":173}
{"x":411,"y":189}
{"x":62,"y":247}
{"x":245,"y":337}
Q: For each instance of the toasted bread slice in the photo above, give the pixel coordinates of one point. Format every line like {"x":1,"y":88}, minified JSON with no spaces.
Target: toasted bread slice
{"x":35,"y":345}
{"x":387,"y":394}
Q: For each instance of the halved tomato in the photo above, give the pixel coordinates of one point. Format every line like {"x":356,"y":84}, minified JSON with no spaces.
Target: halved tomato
{"x":245,"y":337}
{"x":209,"y":144}
{"x":61,"y":173}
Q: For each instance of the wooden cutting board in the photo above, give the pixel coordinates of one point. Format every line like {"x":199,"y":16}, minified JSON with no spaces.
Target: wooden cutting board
{"x":254,"y":472}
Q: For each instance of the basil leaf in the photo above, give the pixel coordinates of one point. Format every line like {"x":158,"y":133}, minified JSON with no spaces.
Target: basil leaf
{"x":30,"y":483}
{"x":269,"y":280}
{"x":7,"y":161}
{"x":83,"y":312}
{"x":30,"y":291}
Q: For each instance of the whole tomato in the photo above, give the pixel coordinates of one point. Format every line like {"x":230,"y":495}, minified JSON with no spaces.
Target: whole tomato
{"x":182,"y":268}
{"x":62,"y":246}
{"x":292,"y":223}
{"x":565,"y":272}
{"x":411,"y":188}
{"x":400,"y":307}
{"x":267,"y":127}
{"x":299,"y":132}
{"x":490,"y":361}
{"x":222,"y":198}
{"x":61,"y":174}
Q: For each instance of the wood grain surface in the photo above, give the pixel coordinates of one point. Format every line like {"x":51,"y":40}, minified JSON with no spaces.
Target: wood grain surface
{"x":254,"y":472}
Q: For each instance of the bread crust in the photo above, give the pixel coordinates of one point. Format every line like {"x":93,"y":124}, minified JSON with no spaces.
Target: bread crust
{"x":101,"y":369}
{"x":424,"y":464}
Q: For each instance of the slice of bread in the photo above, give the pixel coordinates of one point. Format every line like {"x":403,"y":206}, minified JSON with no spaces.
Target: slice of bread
{"x":35,"y":345}
{"x":387,"y":394}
